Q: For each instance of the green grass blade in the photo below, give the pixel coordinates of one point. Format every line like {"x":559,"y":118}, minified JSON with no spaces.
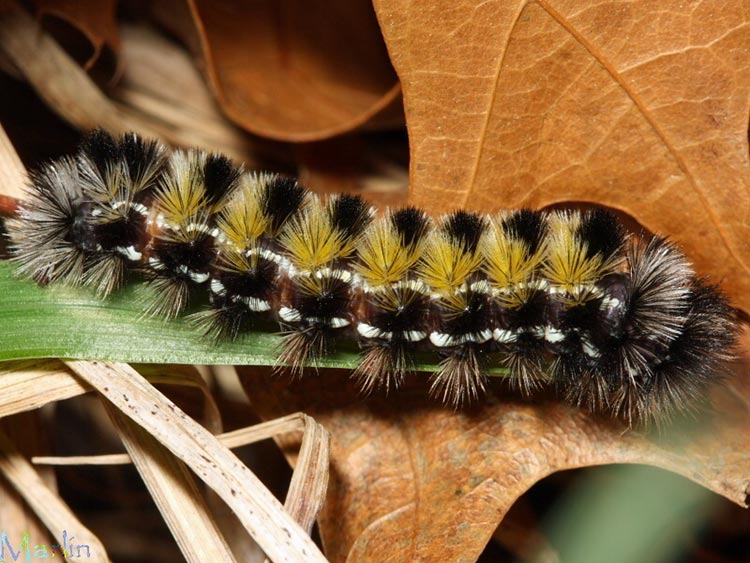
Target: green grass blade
{"x":62,"y":322}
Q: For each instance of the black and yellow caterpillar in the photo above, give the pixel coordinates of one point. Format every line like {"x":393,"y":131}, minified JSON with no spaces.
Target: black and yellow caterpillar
{"x":619,"y":323}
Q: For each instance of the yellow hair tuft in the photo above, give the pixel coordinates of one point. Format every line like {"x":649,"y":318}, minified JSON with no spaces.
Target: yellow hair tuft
{"x":242,"y":221}
{"x":508,"y":260}
{"x":237,"y":260}
{"x":445,"y":265}
{"x":383,"y":259}
{"x":310,"y":240}
{"x":568,"y":264}
{"x":181,"y":196}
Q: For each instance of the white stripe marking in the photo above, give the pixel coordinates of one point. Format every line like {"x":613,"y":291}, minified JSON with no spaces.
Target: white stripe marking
{"x":198,"y":277}
{"x":255,"y":304}
{"x":502,"y":335}
{"x":290,"y":315}
{"x":217,"y":287}
{"x":130,"y":253}
{"x":368,"y":331}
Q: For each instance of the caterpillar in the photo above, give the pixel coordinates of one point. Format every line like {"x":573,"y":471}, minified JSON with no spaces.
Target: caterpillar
{"x":617,"y":323}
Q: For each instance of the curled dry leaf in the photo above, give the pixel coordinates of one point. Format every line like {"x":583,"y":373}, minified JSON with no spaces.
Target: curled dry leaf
{"x":95,"y":20}
{"x":642,"y":106}
{"x":297,"y":74}
{"x":420,"y":482}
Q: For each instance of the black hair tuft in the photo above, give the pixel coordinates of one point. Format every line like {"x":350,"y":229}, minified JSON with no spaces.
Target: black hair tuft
{"x":528,"y":226}
{"x":411,"y":224}
{"x":350,"y":214}
{"x":220,"y":176}
{"x":102,"y":148}
{"x":465,"y":228}
{"x":282,"y":198}
{"x":602,"y":232}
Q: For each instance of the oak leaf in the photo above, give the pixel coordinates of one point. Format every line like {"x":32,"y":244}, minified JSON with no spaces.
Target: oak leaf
{"x":641,"y":106}
{"x":298,"y":74}
{"x":416,"y":481}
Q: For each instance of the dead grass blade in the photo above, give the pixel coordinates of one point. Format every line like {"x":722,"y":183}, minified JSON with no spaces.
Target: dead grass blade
{"x":29,"y":385}
{"x":309,"y":482}
{"x":175,"y":493}
{"x":162,"y":96}
{"x":16,"y":516}
{"x":186,"y":375}
{"x":47,"y":505}
{"x":12,"y":172}
{"x":280,"y":537}
{"x":69,"y":91}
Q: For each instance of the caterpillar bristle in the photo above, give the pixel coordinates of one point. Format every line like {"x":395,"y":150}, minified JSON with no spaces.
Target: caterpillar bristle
{"x":303,"y":348}
{"x":144,"y":160}
{"x":220,"y":177}
{"x":618,"y":323}
{"x":281,"y":198}
{"x":349,"y":214}
{"x":223,"y":321}
{"x":50,"y":238}
{"x":601,"y":232}
{"x":411,"y":224}
{"x":195,"y":186}
{"x":693,"y":360}
{"x":526,"y":226}
{"x":464,"y":229}
{"x":460,"y":379}
{"x":104,"y":274}
{"x":102,"y":150}
{"x":170,"y":297}
{"x":383,"y":367}
{"x":242,"y":288}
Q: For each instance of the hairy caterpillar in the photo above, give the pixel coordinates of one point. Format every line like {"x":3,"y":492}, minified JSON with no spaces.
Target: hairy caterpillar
{"x":618,"y":323}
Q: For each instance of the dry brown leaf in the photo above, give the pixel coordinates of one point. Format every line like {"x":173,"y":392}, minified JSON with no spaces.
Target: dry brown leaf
{"x":417,"y":481}
{"x":161,"y":82}
{"x":296,"y":74}
{"x":641,"y":106}
{"x":94,"y":19}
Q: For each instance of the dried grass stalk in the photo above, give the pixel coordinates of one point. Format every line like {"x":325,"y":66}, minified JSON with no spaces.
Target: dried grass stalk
{"x":47,"y":505}
{"x":12,"y":174}
{"x":16,"y":517}
{"x":62,"y":83}
{"x":280,"y":537}
{"x":309,"y":482}
{"x":175,"y":493}
{"x":187,"y":375}
{"x":29,"y":385}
